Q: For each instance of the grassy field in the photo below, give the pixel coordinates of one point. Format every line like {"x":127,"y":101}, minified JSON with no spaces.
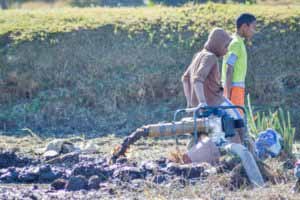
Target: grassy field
{"x":99,"y":70}
{"x":66,"y":3}
{"x":28,"y":25}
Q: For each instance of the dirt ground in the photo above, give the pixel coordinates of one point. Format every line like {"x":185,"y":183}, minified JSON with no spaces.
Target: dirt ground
{"x":212,"y":187}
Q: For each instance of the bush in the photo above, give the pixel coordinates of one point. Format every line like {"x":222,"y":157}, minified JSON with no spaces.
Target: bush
{"x":181,"y":2}
{"x":278,"y":120}
{"x":105,"y":70}
{"x":4,"y":4}
{"x":110,"y":3}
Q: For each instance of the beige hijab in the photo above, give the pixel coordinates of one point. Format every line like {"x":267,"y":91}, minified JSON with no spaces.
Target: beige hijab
{"x":204,"y":68}
{"x":217,"y":39}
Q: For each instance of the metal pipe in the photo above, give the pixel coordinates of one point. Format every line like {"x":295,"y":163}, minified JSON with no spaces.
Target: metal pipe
{"x":177,"y":128}
{"x":248,"y":163}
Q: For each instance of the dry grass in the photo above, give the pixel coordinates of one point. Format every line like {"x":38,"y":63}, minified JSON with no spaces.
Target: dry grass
{"x":279,"y":2}
{"x":44,"y":5}
{"x":72,"y":82}
{"x":67,"y":3}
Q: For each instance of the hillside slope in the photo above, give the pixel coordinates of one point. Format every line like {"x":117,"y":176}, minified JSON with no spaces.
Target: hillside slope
{"x":100,"y":70}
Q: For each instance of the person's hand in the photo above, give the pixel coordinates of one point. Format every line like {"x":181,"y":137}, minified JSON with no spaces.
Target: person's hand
{"x":189,"y":110}
{"x":202,"y":104}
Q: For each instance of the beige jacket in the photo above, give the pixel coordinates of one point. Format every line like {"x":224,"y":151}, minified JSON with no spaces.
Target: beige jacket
{"x":204,"y":68}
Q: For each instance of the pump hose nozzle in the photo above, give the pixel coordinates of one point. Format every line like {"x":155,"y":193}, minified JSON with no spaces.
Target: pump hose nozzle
{"x":132,"y":138}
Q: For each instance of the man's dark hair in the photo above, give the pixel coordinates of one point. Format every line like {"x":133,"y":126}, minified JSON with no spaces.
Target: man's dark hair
{"x":245,"y":18}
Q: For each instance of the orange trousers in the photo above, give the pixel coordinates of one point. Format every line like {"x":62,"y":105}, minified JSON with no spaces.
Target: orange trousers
{"x":237,"y":96}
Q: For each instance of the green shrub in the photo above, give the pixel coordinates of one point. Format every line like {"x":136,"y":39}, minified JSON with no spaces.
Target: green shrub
{"x":115,"y":69}
{"x":181,"y":2}
{"x":278,"y":120}
{"x":111,"y":3}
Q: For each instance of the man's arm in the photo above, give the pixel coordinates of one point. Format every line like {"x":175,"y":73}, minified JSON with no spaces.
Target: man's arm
{"x":228,"y":83}
{"x":187,"y":90}
{"x":231,"y":60}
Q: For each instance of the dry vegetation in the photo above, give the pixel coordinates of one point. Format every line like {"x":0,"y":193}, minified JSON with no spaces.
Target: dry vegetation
{"x":214,"y":187}
{"x":101,"y":70}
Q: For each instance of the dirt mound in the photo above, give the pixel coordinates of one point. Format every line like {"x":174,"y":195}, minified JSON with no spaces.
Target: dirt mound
{"x":11,"y":159}
{"x":93,"y":173}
